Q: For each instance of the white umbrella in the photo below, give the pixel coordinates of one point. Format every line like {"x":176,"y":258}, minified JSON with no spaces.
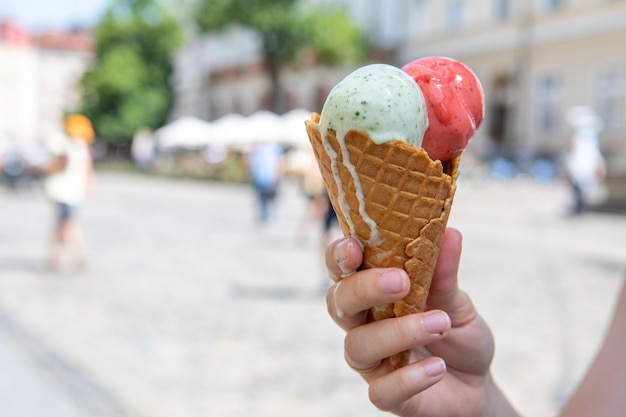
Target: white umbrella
{"x":294,"y":132}
{"x":186,"y":132}
{"x":235,"y":130}
{"x":230,"y":130}
{"x":264,"y":126}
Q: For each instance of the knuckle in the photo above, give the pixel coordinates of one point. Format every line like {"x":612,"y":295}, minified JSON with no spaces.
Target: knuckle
{"x":361,"y":287}
{"x":351,"y":344}
{"x":386,"y":400}
{"x":378,"y":397}
{"x":411,"y":330}
{"x":405,"y":330}
{"x":413,"y":327}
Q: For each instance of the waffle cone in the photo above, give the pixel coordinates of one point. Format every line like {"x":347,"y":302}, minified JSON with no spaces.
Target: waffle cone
{"x":404,"y":193}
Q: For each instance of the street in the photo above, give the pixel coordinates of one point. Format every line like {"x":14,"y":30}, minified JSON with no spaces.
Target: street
{"x":188,"y":308}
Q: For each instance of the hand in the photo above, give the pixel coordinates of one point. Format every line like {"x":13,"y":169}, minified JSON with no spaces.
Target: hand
{"x":452,"y":347}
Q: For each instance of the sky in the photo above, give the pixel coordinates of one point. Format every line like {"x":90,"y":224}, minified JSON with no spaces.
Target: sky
{"x":52,"y":14}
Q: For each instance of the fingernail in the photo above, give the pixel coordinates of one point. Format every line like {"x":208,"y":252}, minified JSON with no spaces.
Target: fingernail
{"x":435,"y":367}
{"x":393,"y":282}
{"x":436,"y":322}
{"x":342,"y":250}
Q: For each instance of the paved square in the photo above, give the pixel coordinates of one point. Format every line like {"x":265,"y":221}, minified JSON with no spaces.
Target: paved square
{"x":188,"y":308}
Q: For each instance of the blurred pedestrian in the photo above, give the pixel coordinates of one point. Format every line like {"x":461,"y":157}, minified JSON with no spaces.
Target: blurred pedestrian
{"x":585,"y":167}
{"x":266,"y":167}
{"x":331,"y":223}
{"x":312,"y":185}
{"x":69,"y":174}
{"x":143,"y":149}
{"x":13,"y":167}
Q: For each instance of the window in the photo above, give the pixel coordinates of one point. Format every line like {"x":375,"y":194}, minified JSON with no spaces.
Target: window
{"x":551,"y":5}
{"x":611,"y":98}
{"x":456,"y":15}
{"x":501,"y":10}
{"x":418,"y":19}
{"x":547,"y":104}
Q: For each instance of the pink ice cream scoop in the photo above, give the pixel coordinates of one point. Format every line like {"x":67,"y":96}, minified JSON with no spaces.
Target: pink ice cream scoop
{"x":455,"y":104}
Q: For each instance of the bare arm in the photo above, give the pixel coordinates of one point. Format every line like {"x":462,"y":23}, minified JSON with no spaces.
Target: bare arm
{"x":91,"y":176}
{"x":602,"y":392}
{"x":56,"y":164}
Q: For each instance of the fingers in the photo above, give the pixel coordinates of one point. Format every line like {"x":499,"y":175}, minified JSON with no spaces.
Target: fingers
{"x":355,"y":293}
{"x":343,"y":257}
{"x":388,"y":392}
{"x":350,"y":299}
{"x":368,"y":345}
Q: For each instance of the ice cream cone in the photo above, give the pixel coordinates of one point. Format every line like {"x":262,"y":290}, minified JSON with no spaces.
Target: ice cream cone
{"x":396,"y":200}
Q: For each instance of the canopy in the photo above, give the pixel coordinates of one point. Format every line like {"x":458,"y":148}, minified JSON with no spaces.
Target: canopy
{"x":230,"y":130}
{"x":235,"y":130}
{"x":186,"y":132}
{"x":265,"y":126}
{"x":293,"y":131}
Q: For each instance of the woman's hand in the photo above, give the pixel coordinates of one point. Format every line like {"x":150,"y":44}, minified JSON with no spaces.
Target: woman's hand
{"x":451,"y":345}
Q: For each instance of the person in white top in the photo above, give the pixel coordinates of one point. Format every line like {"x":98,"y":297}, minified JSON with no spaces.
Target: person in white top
{"x":69,"y":175}
{"x":585,"y":166}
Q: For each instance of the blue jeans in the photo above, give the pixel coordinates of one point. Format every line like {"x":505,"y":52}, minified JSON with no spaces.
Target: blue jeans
{"x":266,"y":196}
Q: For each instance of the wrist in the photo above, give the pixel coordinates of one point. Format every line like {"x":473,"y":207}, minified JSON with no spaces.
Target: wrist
{"x":496,"y":403}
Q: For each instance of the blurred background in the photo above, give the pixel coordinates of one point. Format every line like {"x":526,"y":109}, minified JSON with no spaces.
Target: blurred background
{"x":195,"y":299}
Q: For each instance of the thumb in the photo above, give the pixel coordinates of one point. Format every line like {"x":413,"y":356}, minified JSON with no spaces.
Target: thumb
{"x":444,"y":291}
{"x":469,"y":347}
{"x":445,"y":277}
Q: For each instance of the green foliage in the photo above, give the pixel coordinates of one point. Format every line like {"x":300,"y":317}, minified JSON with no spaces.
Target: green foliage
{"x":128,"y":86}
{"x":214,"y":15}
{"x":335,"y":38}
{"x":285,"y":28}
{"x":276,"y":21}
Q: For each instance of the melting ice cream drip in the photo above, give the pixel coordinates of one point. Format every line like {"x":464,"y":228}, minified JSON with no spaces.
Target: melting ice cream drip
{"x":374,"y":238}
{"x":382,"y":101}
{"x":341,"y":195}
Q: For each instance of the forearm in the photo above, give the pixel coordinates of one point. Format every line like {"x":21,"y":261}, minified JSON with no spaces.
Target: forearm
{"x":56,"y":164}
{"x":601,"y":392}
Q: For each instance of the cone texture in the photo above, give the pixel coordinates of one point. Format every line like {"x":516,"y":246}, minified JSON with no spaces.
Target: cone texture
{"x":406,"y":194}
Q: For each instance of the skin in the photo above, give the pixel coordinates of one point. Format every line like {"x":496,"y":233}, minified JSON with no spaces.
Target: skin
{"x":601,"y":392}
{"x":452,"y":346}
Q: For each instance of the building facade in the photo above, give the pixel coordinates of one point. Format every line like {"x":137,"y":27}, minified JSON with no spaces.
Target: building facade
{"x":39,"y":80}
{"x":223,"y":73}
{"x":536,"y":59}
{"x":18,"y":84}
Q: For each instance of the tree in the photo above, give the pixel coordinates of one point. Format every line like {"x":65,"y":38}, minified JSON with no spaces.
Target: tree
{"x":128,"y":86}
{"x":334,"y":38}
{"x":285,"y":28}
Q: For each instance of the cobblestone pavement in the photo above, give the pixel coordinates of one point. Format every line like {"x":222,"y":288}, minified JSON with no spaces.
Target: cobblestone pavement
{"x":187,"y":308}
